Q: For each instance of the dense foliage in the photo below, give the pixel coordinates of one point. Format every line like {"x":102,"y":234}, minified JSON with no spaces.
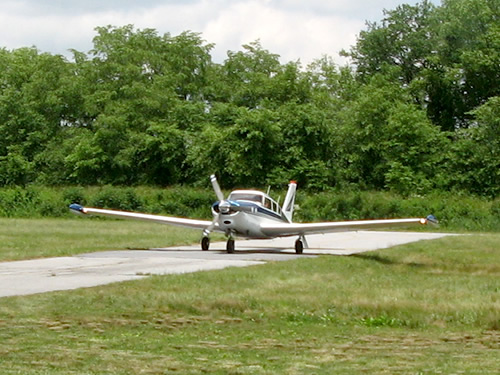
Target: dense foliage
{"x":455,"y":212}
{"x":418,"y":109}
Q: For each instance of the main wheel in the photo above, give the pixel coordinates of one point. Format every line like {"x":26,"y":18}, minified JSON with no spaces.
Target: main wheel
{"x":205,"y":243}
{"x":230,"y":246}
{"x":299,"y":246}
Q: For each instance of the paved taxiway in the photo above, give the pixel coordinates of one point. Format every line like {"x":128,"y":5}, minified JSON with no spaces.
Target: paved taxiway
{"x":87,"y":270}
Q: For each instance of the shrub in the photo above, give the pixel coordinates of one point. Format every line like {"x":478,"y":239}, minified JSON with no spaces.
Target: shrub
{"x":18,"y":201}
{"x":117,"y":198}
{"x":74,"y":194}
{"x":454,"y":211}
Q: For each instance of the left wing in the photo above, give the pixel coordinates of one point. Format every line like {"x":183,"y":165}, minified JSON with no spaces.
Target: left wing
{"x":290,"y":229}
{"x":178,"y":221}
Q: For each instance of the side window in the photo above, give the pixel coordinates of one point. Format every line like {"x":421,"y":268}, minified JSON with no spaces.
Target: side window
{"x":267,"y":203}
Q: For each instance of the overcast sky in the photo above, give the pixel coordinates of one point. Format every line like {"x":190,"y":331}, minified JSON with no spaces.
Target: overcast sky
{"x":295,"y":29}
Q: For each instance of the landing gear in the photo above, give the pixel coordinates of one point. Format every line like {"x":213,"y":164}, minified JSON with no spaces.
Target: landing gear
{"x":230,"y":246}
{"x":299,"y":246}
{"x":205,"y":243}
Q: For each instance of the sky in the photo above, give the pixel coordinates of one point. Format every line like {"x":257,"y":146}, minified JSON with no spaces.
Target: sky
{"x":297,"y":30}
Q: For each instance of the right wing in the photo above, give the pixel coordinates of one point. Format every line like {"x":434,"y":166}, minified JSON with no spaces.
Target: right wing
{"x":178,"y":221}
{"x":291,"y":229}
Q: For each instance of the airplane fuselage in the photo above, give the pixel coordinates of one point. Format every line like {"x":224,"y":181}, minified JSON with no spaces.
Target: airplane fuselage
{"x":243,"y":213}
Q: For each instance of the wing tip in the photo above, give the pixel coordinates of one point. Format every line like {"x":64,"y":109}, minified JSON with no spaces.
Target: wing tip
{"x":430,"y":219}
{"x":77,"y":209}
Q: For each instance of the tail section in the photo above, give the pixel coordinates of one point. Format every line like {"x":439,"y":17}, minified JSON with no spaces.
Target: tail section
{"x":289,"y":202}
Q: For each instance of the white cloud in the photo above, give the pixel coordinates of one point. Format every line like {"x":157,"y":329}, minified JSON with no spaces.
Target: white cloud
{"x":294,"y":34}
{"x":294,"y":29}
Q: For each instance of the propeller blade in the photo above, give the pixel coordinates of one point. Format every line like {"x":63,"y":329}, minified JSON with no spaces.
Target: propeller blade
{"x":218,"y":191}
{"x":211,"y":227}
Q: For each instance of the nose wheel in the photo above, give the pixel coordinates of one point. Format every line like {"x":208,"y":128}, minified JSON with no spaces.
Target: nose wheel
{"x":230,"y":246}
{"x":205,"y":243}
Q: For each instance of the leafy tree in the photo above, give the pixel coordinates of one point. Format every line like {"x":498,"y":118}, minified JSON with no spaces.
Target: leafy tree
{"x":137,"y":87}
{"x":388,"y":141}
{"x":331,"y":86}
{"x":32,"y":108}
{"x":418,"y":110}
{"x":248,"y":75}
{"x":474,"y":163}
{"x":403,"y":39}
{"x":469,"y":36}
{"x":307,"y":153}
{"x":412,"y":150}
{"x":241,"y":153}
{"x":362,"y":123}
{"x":447,"y":55}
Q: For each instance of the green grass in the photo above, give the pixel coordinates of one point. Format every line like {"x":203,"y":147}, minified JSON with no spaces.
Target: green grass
{"x":36,"y":238}
{"x":427,"y":307}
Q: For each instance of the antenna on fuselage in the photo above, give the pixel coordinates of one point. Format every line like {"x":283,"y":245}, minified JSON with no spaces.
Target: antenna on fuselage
{"x":268,"y":190}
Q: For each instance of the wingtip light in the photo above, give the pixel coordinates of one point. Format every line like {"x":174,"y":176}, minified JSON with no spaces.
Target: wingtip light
{"x":431,"y":219}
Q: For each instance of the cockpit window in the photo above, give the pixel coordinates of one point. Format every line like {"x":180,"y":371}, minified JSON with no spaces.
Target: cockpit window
{"x":267,"y":203}
{"x":261,"y":199}
{"x":246,"y":197}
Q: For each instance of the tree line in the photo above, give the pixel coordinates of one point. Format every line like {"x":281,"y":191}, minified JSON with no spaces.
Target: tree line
{"x":417,"y":109}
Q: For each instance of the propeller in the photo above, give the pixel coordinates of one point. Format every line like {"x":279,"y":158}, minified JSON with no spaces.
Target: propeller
{"x":222,"y":204}
{"x":218,"y":191}
{"x":225,"y":206}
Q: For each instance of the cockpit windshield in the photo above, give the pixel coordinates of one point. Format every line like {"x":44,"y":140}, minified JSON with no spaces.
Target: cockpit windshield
{"x":257,"y":197}
{"x":246,"y":197}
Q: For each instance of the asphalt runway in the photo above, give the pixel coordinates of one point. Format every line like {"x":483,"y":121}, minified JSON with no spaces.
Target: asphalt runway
{"x":93,"y":269}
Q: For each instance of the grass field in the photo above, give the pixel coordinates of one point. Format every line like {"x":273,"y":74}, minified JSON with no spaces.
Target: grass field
{"x":423,"y":308}
{"x":37,"y":238}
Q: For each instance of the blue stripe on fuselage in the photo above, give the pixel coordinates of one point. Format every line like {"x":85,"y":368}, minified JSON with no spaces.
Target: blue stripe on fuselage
{"x":260,"y":209}
{"x":256,"y":209}
{"x":269,"y":212}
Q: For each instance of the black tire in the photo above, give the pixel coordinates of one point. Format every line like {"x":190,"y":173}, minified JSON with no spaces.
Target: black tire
{"x":299,"y":247}
{"x":205,"y":243}
{"x":230,"y":246}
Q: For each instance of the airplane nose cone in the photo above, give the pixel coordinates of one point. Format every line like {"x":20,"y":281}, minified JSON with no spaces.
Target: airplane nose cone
{"x":225,"y":207}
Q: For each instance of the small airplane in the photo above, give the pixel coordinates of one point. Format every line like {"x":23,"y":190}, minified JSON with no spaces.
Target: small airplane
{"x":254,"y":214}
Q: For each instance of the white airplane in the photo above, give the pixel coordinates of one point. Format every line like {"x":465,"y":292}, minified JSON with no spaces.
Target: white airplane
{"x":254,"y":214}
